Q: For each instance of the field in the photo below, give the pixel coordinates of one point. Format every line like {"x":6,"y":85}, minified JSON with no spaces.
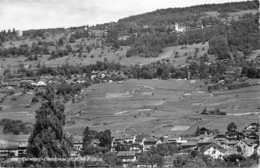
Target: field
{"x":158,"y":107}
{"x":171,"y":108}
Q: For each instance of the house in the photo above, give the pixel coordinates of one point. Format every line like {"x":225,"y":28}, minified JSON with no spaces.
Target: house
{"x":246,"y":147}
{"x":8,"y":150}
{"x":129,"y":139}
{"x":216,"y":151}
{"x":149,"y":142}
{"x":95,"y":142}
{"x":77,"y":143}
{"x":139,"y":138}
{"x":117,"y":140}
{"x":204,"y":131}
{"x":93,"y":74}
{"x":19,"y":33}
{"x":170,"y":140}
{"x":180,"y":28}
{"x":234,"y":135}
{"x":135,"y":147}
{"x":127,"y":157}
{"x":123,"y":38}
{"x":189,"y":145}
{"x":252,"y":127}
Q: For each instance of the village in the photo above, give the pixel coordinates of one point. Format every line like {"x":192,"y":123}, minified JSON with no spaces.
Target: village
{"x":244,"y":142}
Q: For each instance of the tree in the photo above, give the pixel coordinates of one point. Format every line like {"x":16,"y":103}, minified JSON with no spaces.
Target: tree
{"x":197,"y":132}
{"x":112,"y":159}
{"x":48,"y":138}
{"x":218,"y":45}
{"x":149,"y":158}
{"x":88,"y":135}
{"x":105,"y":138}
{"x":231,"y":126}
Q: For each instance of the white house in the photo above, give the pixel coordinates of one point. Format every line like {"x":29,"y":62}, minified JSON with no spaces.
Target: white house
{"x":149,"y":142}
{"x":216,"y":151}
{"x":19,"y":33}
{"x":179,"y":28}
{"x":247,"y":147}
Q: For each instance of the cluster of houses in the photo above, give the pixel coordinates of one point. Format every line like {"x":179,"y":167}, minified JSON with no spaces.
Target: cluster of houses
{"x":218,"y":146}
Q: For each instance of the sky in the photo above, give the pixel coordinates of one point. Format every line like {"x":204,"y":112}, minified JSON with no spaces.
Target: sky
{"x":35,"y":14}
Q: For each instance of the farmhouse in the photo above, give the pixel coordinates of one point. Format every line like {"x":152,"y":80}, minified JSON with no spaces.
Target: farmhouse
{"x":216,"y":151}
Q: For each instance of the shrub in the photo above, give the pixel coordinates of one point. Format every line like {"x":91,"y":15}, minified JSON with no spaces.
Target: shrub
{"x":35,"y":99}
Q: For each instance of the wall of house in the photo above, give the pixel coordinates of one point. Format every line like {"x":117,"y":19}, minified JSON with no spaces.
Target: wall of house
{"x":214,"y":153}
{"x":245,"y":149}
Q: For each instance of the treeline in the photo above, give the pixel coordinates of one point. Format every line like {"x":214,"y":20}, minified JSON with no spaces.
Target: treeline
{"x":162,"y":70}
{"x":25,"y":50}
{"x":172,"y":15}
{"x":42,"y":33}
{"x":151,"y":45}
{"x":243,"y":35}
{"x":14,"y":126}
{"x":7,"y":35}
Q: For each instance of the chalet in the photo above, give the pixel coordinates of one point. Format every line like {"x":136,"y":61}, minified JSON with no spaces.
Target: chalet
{"x":149,"y":142}
{"x":234,"y":135}
{"x":127,"y":157}
{"x":216,"y":151}
{"x":246,"y":147}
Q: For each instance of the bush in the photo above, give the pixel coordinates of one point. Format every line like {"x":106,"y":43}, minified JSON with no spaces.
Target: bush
{"x":35,"y":99}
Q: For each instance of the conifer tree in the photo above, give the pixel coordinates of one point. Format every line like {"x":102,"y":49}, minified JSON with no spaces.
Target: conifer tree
{"x":48,"y":138}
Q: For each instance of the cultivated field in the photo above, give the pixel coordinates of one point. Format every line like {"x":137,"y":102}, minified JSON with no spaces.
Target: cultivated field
{"x":160,"y":107}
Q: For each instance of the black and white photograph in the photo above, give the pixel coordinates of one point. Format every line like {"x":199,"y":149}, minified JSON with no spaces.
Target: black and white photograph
{"x":129,"y":84}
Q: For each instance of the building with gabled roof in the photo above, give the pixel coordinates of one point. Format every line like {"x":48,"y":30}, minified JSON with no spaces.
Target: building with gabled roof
{"x":214,"y":150}
{"x":246,"y":147}
{"x":127,"y":157}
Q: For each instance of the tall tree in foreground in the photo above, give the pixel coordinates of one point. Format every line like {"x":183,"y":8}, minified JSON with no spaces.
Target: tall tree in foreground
{"x":48,"y":138}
